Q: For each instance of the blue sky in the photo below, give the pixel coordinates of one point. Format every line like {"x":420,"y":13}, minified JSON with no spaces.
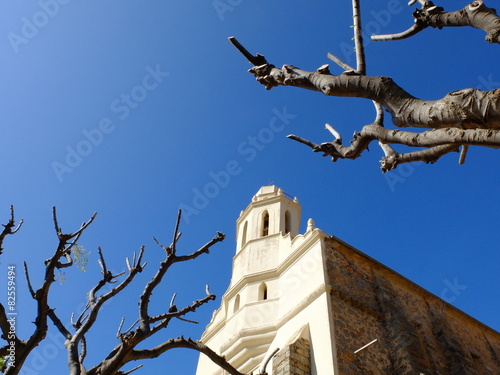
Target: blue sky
{"x":130,"y":109}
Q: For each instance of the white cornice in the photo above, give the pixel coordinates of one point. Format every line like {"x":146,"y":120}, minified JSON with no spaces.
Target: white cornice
{"x":309,"y":239}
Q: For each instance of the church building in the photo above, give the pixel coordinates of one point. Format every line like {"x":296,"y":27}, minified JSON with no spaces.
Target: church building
{"x":310,"y":304}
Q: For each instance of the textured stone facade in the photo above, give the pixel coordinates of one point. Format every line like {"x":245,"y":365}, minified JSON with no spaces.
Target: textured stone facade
{"x":417,"y":332}
{"x":295,"y":359}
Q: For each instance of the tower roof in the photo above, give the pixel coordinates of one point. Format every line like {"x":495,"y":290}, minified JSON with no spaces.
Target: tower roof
{"x":271,"y":191}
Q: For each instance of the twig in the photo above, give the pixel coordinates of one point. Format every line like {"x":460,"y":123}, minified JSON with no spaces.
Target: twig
{"x":172,"y":307}
{"x":176,"y":232}
{"x":83,"y":345}
{"x":334,"y":132}
{"x":56,"y":224}
{"x":358,"y":38}
{"x":340,"y":63}
{"x":28,"y":281}
{"x":81,"y":318}
{"x":379,"y":120}
{"x":254,"y":60}
{"x":12,"y":219}
{"x":102,"y":262}
{"x":118,"y":332}
{"x":165,"y":318}
{"x":415,"y":29}
{"x":388,"y":150}
{"x":131,"y":327}
{"x":463,"y":154}
{"x":159,"y":243}
{"x":302,"y":140}
{"x":58,"y":323}
{"x":8,"y":227}
{"x":130,"y":371}
{"x":181,"y":342}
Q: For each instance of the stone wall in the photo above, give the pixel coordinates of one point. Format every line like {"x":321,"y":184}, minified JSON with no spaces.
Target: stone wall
{"x":417,"y":333}
{"x":295,"y":359}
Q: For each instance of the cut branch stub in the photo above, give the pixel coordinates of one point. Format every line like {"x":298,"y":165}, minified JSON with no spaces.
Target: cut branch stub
{"x":254,"y":60}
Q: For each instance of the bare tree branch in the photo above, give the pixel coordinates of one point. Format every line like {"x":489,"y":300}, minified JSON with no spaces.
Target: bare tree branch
{"x":148,"y":325}
{"x":66,"y":241}
{"x":430,"y":155}
{"x":171,"y":258}
{"x":340,"y":63}
{"x":130,"y":371}
{"x":174,"y":313}
{"x":465,"y":117}
{"x":176,"y":232}
{"x":439,"y":142}
{"x":205,"y":249}
{"x":358,"y":38}
{"x":59,"y":324}
{"x":9,"y":228}
{"x":28,"y":281}
{"x":181,"y":342}
{"x":468,"y":108}
{"x":476,"y":15}
{"x":463,"y":154}
{"x":83,"y":350}
{"x":415,"y":29}
{"x":97,"y":302}
{"x":5,"y":327}
{"x":461,"y":118}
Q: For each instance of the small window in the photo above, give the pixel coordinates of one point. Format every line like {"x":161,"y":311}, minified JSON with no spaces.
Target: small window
{"x":265,"y":224}
{"x":244,"y":236}
{"x":236,"y":303}
{"x":288,"y":224}
{"x":263,"y":292}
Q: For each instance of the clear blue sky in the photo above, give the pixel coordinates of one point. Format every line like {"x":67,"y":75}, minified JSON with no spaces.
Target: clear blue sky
{"x":130,"y":108}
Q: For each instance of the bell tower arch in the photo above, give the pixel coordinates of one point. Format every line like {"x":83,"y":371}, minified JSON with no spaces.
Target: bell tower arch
{"x":271,"y":212}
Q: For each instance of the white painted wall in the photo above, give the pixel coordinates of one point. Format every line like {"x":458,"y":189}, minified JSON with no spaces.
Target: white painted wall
{"x":292,"y":267}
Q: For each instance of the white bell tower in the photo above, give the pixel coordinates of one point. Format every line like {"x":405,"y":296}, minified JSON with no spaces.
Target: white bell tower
{"x":271,"y":217}
{"x":278,"y":292}
{"x":271,"y":212}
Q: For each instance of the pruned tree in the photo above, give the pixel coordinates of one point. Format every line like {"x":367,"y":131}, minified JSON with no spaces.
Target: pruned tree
{"x":468,"y":117}
{"x":16,"y":350}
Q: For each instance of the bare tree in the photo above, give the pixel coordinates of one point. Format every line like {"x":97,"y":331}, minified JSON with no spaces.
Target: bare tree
{"x":468,"y":117}
{"x":16,"y":350}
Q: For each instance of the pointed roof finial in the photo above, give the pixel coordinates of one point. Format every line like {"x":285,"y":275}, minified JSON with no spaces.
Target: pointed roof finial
{"x":310,"y":225}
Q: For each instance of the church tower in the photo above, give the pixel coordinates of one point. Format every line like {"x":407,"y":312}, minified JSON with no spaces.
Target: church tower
{"x":278,"y":292}
{"x":270,"y":216}
{"x":310,"y":304}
